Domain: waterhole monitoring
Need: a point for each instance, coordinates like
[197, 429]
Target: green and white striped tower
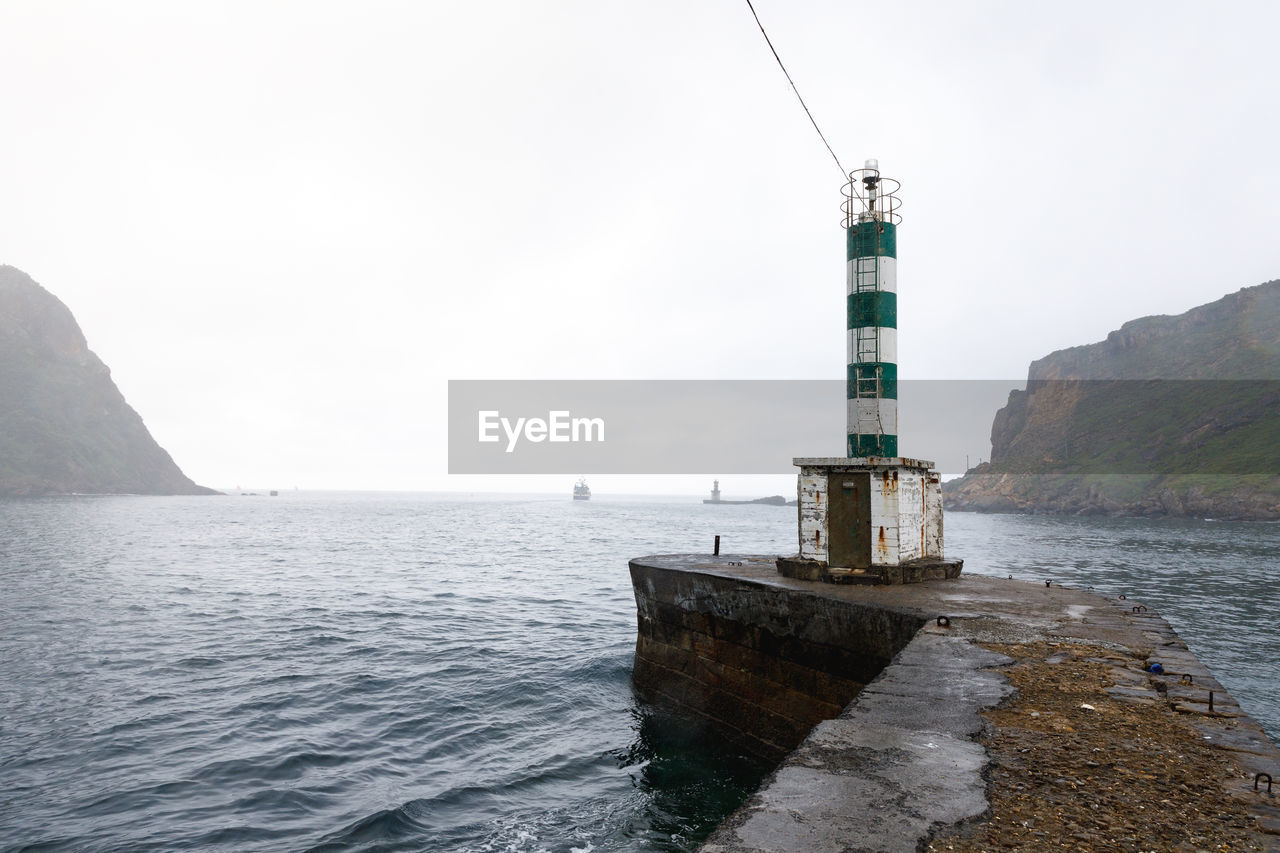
[871, 220]
[871, 516]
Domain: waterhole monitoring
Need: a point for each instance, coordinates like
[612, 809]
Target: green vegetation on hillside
[1168, 416]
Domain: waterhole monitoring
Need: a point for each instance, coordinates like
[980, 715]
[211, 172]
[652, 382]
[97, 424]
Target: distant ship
[582, 492]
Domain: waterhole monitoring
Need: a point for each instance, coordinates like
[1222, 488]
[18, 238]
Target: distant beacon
[871, 516]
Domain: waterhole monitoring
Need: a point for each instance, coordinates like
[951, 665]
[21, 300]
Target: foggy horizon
[286, 227]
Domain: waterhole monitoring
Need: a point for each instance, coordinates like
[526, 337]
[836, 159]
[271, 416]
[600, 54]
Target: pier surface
[967, 714]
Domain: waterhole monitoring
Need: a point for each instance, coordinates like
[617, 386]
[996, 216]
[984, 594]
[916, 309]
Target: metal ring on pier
[1258, 777]
[1139, 608]
[1123, 597]
[944, 621]
[1186, 678]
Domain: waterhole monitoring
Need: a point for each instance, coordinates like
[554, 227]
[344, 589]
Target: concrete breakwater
[761, 664]
[951, 715]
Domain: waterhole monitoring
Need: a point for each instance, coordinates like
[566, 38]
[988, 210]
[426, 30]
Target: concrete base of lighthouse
[873, 520]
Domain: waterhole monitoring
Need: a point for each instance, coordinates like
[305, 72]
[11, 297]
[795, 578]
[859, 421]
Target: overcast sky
[286, 225]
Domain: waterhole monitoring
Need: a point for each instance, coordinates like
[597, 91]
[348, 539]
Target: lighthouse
[871, 237]
[871, 516]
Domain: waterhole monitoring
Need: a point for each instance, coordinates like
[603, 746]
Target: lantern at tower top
[870, 197]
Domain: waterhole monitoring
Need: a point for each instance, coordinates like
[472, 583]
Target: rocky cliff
[64, 426]
[1169, 416]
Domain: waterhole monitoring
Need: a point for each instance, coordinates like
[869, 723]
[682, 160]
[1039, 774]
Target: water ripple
[346, 672]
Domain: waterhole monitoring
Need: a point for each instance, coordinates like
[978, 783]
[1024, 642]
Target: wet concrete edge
[902, 762]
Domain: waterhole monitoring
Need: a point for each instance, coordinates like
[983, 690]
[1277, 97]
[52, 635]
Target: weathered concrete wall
[895, 765]
[811, 504]
[759, 655]
[905, 505]
[760, 664]
[932, 527]
[899, 499]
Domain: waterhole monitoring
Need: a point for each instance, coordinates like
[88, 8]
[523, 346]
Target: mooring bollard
[717, 552]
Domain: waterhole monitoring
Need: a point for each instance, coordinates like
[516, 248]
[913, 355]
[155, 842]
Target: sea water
[441, 672]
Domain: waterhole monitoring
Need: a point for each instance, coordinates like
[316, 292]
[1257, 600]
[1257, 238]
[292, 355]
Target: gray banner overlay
[723, 427]
[714, 427]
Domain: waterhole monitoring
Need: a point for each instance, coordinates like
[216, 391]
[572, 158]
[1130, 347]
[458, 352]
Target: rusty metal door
[849, 520]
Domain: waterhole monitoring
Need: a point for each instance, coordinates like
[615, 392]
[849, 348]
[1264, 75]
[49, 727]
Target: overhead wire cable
[843, 174]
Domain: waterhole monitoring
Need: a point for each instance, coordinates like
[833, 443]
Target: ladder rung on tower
[869, 422]
[868, 341]
[866, 278]
[868, 382]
